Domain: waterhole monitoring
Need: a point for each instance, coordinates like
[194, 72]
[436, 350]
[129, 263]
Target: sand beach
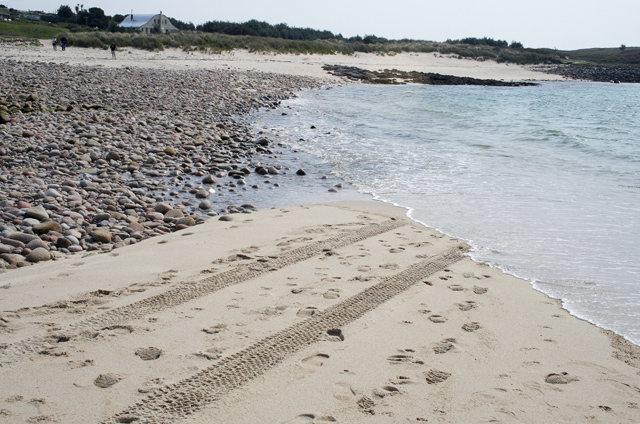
[142, 310]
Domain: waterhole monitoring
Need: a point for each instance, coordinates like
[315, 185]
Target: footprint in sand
[466, 306]
[148, 353]
[479, 290]
[344, 391]
[562, 378]
[389, 266]
[335, 335]
[471, 326]
[311, 418]
[366, 404]
[151, 385]
[434, 376]
[444, 346]
[386, 391]
[332, 294]
[438, 319]
[106, 380]
[215, 329]
[404, 357]
[364, 268]
[309, 311]
[316, 360]
[116, 330]
[455, 287]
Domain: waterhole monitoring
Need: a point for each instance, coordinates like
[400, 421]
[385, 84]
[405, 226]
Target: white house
[146, 23]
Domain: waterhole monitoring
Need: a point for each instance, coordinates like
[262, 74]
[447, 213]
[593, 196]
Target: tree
[97, 18]
[65, 12]
[117, 18]
[622, 47]
[516, 45]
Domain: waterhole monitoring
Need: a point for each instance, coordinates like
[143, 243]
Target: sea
[543, 182]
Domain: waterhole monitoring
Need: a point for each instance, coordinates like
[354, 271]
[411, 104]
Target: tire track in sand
[185, 292]
[177, 401]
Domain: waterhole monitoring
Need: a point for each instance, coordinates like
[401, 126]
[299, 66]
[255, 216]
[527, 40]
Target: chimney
[132, 14]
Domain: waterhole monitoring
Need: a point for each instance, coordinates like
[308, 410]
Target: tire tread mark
[185, 292]
[174, 402]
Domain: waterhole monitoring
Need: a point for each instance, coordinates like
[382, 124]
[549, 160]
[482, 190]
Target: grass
[28, 28]
[216, 42]
[602, 56]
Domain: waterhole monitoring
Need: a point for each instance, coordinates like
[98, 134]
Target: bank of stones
[94, 159]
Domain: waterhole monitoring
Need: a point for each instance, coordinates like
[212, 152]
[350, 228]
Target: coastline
[460, 343]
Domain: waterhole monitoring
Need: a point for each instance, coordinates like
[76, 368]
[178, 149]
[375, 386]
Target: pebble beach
[91, 157]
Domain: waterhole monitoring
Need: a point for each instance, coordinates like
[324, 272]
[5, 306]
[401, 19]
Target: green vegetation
[613, 56]
[27, 28]
[216, 42]
[215, 36]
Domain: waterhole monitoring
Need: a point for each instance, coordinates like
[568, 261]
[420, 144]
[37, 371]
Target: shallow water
[543, 181]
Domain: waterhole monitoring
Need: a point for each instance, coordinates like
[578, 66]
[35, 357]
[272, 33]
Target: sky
[561, 24]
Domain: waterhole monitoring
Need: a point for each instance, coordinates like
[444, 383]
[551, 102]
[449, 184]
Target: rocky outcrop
[394, 76]
[617, 74]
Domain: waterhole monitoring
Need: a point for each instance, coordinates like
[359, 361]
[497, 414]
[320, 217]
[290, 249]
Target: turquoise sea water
[544, 182]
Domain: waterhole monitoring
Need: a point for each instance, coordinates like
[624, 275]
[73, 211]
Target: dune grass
[216, 42]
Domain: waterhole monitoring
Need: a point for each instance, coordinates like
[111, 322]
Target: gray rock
[163, 208]
[39, 254]
[34, 244]
[23, 237]
[202, 194]
[187, 220]
[37, 212]
[52, 193]
[209, 179]
[174, 213]
[11, 242]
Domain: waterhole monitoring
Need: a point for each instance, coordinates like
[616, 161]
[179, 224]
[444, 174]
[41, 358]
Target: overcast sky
[563, 24]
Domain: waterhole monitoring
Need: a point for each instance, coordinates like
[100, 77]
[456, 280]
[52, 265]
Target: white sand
[495, 336]
[309, 65]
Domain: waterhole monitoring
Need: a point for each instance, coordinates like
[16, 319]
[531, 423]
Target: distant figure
[113, 49]
[55, 43]
[63, 43]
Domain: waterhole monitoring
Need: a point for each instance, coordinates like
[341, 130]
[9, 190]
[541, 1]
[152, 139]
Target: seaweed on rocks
[394, 76]
[616, 74]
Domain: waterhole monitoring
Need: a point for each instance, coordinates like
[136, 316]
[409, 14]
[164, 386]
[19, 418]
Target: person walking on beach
[113, 49]
[54, 42]
[63, 43]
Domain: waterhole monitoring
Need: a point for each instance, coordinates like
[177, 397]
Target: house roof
[137, 21]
